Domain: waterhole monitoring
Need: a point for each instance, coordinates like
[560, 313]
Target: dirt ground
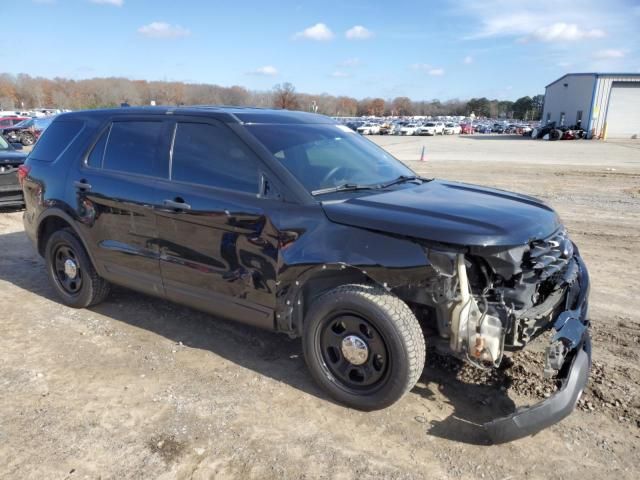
[141, 388]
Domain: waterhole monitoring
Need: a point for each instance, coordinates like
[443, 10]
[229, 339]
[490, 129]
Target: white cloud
[319, 32]
[340, 74]
[267, 71]
[163, 30]
[542, 20]
[116, 3]
[608, 53]
[564, 32]
[467, 60]
[428, 69]
[350, 62]
[358, 32]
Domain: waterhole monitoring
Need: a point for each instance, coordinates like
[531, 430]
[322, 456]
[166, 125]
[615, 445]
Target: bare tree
[23, 91]
[284, 96]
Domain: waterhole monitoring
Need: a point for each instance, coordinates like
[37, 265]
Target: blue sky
[422, 49]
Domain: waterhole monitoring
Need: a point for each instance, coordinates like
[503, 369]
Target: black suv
[291, 222]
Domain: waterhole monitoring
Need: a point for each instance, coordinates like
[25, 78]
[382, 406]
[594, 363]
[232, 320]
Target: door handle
[82, 185]
[176, 204]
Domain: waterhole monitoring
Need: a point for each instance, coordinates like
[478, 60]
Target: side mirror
[16, 146]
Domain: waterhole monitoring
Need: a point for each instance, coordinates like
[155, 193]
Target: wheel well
[48, 226]
[319, 283]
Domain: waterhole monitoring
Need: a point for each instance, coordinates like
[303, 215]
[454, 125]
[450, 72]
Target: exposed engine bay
[486, 300]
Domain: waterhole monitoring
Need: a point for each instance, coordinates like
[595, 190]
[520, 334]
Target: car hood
[10, 156]
[449, 212]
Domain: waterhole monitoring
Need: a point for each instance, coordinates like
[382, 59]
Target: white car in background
[395, 128]
[369, 129]
[410, 129]
[431, 128]
[452, 129]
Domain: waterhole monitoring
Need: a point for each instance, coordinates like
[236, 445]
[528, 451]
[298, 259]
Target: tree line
[23, 91]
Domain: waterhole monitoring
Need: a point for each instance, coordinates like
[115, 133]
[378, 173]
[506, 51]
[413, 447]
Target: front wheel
[363, 345]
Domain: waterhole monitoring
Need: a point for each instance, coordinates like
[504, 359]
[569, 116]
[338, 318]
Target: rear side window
[94, 159]
[133, 147]
[55, 139]
[212, 155]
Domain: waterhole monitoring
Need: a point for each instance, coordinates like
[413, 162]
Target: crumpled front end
[488, 300]
[568, 358]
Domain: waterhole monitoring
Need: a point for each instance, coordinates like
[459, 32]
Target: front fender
[344, 254]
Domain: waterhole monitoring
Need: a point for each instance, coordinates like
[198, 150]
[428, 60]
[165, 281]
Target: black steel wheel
[354, 351]
[363, 345]
[71, 272]
[67, 269]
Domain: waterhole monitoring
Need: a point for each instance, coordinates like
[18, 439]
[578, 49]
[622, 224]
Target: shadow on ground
[266, 353]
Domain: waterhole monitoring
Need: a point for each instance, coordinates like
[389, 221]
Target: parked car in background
[10, 161]
[354, 125]
[498, 128]
[452, 129]
[431, 128]
[10, 121]
[396, 127]
[28, 131]
[409, 129]
[483, 128]
[466, 128]
[369, 129]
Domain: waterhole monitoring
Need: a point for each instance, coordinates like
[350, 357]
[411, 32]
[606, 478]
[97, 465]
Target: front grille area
[549, 257]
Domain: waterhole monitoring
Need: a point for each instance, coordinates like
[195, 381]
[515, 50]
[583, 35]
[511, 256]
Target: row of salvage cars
[436, 127]
[11, 159]
[408, 128]
[16, 132]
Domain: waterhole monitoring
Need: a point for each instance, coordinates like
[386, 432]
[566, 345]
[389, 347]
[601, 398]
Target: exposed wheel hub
[67, 269]
[354, 349]
[70, 268]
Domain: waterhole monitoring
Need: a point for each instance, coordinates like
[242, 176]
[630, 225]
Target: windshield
[323, 156]
[3, 144]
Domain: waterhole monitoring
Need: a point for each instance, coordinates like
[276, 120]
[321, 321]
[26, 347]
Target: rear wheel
[71, 271]
[363, 345]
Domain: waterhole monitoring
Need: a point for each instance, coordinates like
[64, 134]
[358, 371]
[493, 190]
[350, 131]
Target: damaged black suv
[291, 222]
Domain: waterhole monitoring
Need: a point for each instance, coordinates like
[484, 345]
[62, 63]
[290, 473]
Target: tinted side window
[94, 159]
[55, 139]
[213, 156]
[133, 147]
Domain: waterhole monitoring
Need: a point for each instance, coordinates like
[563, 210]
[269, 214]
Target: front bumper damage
[571, 327]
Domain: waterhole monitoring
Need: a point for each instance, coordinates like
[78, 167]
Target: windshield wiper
[344, 187]
[403, 179]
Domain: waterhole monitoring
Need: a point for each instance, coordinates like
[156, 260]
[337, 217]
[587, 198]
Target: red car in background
[7, 122]
[467, 128]
[28, 131]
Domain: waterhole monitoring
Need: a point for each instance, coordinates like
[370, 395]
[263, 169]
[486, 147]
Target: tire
[27, 139]
[86, 287]
[386, 368]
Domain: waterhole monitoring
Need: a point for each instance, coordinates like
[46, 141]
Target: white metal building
[607, 105]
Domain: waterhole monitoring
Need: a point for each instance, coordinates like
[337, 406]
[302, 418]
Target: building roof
[596, 74]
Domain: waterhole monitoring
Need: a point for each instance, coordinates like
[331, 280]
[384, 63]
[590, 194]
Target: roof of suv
[248, 115]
